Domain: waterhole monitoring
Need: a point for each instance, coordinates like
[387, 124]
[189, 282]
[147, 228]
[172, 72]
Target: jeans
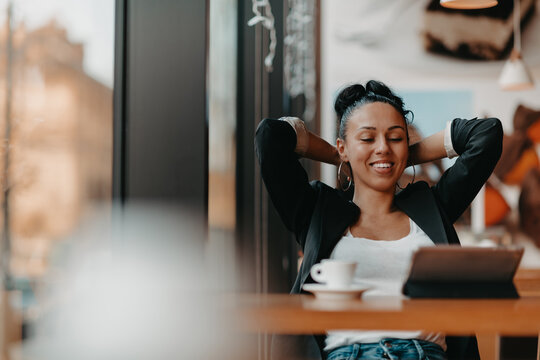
[394, 349]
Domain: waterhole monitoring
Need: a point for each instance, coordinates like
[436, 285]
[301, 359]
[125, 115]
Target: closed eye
[367, 140]
[396, 139]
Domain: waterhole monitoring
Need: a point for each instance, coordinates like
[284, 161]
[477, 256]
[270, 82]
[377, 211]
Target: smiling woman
[377, 145]
[373, 223]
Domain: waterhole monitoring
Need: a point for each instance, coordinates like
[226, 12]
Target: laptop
[453, 271]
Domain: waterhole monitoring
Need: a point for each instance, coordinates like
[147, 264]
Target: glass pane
[222, 139]
[60, 112]
[56, 80]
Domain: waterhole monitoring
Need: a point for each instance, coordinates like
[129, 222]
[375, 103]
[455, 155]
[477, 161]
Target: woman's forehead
[376, 116]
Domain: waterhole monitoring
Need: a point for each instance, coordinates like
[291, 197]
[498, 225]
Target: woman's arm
[479, 144]
[285, 178]
[320, 150]
[428, 149]
[310, 145]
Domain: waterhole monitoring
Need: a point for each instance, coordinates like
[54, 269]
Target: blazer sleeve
[479, 145]
[285, 178]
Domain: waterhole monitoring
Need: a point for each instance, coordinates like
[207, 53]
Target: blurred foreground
[133, 288]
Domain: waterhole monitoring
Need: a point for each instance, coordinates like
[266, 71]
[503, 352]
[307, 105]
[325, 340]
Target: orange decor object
[533, 132]
[496, 207]
[526, 162]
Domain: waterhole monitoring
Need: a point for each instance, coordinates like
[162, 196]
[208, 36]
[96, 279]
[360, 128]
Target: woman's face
[376, 146]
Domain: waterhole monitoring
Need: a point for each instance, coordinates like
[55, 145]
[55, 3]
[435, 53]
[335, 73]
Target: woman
[376, 223]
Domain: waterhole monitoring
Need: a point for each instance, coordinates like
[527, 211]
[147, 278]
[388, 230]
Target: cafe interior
[135, 222]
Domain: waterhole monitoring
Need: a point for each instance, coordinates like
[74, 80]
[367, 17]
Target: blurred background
[449, 63]
[127, 157]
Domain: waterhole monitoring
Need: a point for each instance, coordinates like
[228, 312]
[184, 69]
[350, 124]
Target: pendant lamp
[468, 4]
[515, 75]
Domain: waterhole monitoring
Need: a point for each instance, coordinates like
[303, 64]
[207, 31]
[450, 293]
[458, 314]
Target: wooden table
[303, 314]
[487, 318]
[282, 313]
[297, 314]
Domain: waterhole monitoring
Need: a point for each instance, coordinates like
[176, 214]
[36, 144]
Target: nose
[382, 146]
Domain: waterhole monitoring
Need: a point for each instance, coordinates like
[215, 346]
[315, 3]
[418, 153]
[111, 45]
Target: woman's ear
[340, 145]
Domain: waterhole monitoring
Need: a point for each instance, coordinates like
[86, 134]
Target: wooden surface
[527, 282]
[295, 314]
[487, 319]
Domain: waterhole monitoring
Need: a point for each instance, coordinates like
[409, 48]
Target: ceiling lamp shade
[515, 75]
[468, 4]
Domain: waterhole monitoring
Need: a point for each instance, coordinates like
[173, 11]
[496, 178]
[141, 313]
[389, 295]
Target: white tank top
[383, 266]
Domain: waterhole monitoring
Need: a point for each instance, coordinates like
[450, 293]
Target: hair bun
[354, 96]
[378, 88]
[347, 97]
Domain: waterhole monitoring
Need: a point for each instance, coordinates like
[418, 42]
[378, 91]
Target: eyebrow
[374, 128]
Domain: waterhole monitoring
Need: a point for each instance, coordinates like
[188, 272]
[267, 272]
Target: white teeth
[382, 165]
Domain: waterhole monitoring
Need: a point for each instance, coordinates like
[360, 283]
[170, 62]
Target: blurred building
[61, 142]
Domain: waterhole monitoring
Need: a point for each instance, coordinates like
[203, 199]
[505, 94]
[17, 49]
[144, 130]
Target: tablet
[455, 271]
[465, 263]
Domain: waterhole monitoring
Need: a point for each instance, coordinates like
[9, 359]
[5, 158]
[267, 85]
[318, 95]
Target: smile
[382, 165]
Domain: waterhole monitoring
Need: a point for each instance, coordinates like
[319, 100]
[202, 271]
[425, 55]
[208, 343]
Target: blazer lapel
[336, 224]
[417, 201]
[327, 233]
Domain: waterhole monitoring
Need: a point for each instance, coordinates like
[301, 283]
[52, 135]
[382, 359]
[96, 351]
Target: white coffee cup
[337, 274]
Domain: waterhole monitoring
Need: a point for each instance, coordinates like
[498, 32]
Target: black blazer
[319, 215]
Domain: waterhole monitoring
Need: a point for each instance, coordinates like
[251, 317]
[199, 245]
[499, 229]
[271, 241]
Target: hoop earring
[349, 179]
[412, 181]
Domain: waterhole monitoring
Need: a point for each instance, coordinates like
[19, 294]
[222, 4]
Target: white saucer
[322, 291]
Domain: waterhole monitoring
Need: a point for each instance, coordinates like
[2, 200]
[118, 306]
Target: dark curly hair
[354, 96]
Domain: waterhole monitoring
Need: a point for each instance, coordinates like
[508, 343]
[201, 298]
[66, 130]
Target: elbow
[496, 135]
[490, 138]
[261, 136]
[496, 126]
[262, 128]
[275, 136]
[263, 125]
